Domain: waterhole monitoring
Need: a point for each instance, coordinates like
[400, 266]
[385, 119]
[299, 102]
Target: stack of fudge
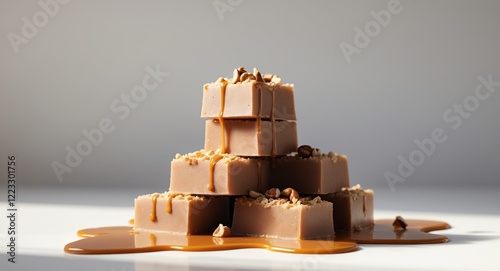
[251, 178]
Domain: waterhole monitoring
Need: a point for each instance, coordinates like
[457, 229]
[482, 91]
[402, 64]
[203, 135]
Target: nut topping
[273, 193]
[222, 231]
[399, 223]
[268, 77]
[257, 75]
[305, 151]
[254, 194]
[291, 193]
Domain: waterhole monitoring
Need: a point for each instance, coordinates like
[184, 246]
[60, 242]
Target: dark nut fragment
[244, 76]
[357, 228]
[241, 70]
[290, 193]
[222, 231]
[273, 193]
[399, 223]
[305, 151]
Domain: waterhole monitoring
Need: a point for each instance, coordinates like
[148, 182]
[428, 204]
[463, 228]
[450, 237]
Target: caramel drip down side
[169, 202]
[221, 115]
[152, 238]
[154, 199]
[213, 161]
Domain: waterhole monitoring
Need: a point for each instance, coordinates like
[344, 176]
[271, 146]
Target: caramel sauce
[169, 202]
[154, 198]
[221, 115]
[213, 161]
[152, 239]
[114, 240]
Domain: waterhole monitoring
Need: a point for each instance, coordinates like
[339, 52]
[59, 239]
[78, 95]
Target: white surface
[44, 229]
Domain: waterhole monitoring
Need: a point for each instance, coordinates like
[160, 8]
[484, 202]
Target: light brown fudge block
[319, 174]
[280, 218]
[352, 208]
[213, 173]
[180, 214]
[249, 100]
[251, 137]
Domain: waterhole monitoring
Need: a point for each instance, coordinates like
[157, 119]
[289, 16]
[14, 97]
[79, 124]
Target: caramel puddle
[114, 240]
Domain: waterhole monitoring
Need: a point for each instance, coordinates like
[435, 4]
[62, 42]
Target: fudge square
[215, 173]
[180, 214]
[251, 137]
[317, 173]
[249, 100]
[352, 208]
[283, 218]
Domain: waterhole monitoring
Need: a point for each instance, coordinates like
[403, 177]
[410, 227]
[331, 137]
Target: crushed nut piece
[268, 77]
[257, 75]
[357, 228]
[236, 76]
[399, 223]
[316, 152]
[254, 194]
[276, 80]
[273, 193]
[222, 231]
[244, 76]
[305, 151]
[291, 193]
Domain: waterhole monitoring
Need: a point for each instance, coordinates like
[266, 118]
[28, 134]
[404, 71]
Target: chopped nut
[257, 75]
[399, 223]
[251, 77]
[315, 200]
[268, 77]
[236, 76]
[254, 194]
[357, 228]
[316, 152]
[273, 193]
[305, 151]
[244, 76]
[291, 193]
[241, 70]
[276, 80]
[222, 231]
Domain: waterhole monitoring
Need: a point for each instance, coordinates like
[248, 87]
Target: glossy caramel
[114, 240]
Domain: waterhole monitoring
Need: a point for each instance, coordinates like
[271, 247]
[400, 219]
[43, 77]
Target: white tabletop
[48, 218]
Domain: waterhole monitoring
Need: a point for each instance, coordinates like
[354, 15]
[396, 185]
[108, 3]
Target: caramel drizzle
[154, 199]
[221, 113]
[152, 238]
[213, 160]
[169, 202]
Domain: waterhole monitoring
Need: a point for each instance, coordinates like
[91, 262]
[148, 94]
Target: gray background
[429, 57]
